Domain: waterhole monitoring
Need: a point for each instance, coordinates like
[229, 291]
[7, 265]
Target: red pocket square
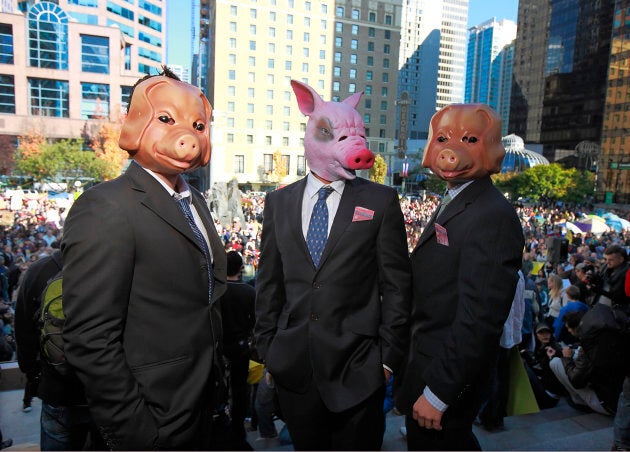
[362, 214]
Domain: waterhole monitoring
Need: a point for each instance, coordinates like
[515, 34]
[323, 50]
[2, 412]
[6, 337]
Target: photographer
[608, 284]
[585, 272]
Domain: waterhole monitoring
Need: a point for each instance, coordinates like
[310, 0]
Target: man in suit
[465, 271]
[143, 269]
[332, 324]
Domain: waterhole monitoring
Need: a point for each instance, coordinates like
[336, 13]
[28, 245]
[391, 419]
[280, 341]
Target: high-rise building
[560, 69]
[432, 58]
[613, 181]
[248, 54]
[66, 66]
[488, 65]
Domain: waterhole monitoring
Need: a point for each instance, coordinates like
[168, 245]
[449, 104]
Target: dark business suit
[330, 330]
[140, 330]
[462, 293]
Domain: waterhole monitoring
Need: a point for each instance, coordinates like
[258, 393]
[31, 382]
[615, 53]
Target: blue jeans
[622, 418]
[68, 428]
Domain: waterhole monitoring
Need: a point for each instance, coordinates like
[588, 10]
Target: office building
[432, 58]
[248, 54]
[489, 66]
[68, 66]
[613, 170]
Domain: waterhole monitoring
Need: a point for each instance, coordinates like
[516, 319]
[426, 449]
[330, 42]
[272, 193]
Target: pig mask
[167, 128]
[334, 143]
[464, 143]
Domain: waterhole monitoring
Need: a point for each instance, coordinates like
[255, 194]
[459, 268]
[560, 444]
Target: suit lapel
[343, 218]
[157, 199]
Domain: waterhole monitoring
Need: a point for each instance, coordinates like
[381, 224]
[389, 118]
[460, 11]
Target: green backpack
[51, 320]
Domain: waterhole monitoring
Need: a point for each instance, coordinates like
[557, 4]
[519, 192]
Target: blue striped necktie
[318, 227]
[184, 205]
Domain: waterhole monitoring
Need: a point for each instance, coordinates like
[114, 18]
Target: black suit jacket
[139, 328]
[462, 294]
[340, 323]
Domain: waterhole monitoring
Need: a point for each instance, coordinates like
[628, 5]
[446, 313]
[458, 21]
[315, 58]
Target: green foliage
[378, 172]
[63, 161]
[551, 182]
[434, 184]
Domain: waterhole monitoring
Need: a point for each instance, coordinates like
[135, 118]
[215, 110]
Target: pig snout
[449, 160]
[187, 147]
[359, 159]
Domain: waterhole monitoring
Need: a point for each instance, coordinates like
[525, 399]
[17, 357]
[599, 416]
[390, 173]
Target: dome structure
[517, 158]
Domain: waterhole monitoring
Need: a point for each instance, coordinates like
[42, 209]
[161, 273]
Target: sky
[178, 23]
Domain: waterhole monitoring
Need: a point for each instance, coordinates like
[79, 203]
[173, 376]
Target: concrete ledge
[12, 377]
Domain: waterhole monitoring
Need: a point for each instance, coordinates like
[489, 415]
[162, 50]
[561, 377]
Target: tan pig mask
[167, 128]
[464, 143]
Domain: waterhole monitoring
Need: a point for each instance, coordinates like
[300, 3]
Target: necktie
[445, 200]
[318, 227]
[184, 205]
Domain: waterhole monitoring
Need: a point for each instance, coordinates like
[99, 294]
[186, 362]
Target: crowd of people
[561, 359]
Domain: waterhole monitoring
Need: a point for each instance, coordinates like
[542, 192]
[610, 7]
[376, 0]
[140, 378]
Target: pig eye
[324, 131]
[166, 119]
[442, 139]
[199, 126]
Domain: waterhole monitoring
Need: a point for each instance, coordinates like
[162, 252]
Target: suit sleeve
[26, 331]
[394, 270]
[270, 292]
[491, 252]
[98, 251]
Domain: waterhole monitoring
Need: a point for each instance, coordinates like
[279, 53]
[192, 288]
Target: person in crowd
[237, 313]
[66, 423]
[584, 273]
[610, 284]
[465, 273]
[593, 373]
[560, 331]
[333, 286]
[556, 297]
[143, 271]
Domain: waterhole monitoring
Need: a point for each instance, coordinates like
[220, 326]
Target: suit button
[317, 285]
[314, 316]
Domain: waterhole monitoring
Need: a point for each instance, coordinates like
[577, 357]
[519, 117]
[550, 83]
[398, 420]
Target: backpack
[50, 319]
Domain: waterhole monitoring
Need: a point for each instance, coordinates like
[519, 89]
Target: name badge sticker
[442, 236]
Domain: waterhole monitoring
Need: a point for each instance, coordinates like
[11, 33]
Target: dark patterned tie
[184, 205]
[445, 200]
[318, 227]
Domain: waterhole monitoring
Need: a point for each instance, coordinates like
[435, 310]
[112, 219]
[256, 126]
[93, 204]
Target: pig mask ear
[353, 100]
[307, 98]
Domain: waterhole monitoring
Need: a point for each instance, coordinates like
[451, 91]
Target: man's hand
[426, 414]
[388, 374]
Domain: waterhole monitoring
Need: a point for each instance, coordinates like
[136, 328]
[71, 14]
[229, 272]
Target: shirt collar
[458, 189]
[313, 185]
[183, 188]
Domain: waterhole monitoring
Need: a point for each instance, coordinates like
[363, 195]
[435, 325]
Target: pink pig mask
[334, 144]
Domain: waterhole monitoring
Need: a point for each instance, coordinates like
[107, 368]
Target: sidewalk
[561, 428]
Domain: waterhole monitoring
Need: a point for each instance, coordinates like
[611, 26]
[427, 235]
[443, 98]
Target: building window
[305, 52]
[252, 29]
[307, 6]
[125, 92]
[368, 103]
[386, 62]
[271, 63]
[268, 124]
[322, 54]
[355, 30]
[232, 58]
[252, 13]
[268, 140]
[306, 37]
[272, 32]
[230, 121]
[381, 133]
[338, 27]
[384, 91]
[250, 108]
[337, 57]
[336, 71]
[231, 106]
[369, 75]
[239, 164]
[48, 36]
[250, 92]
[49, 97]
[356, 15]
[388, 34]
[339, 11]
[231, 74]
[370, 61]
[370, 46]
[354, 44]
[385, 77]
[368, 89]
[233, 27]
[335, 87]
[252, 45]
[232, 43]
[353, 73]
[233, 10]
[367, 118]
[383, 105]
[230, 138]
[249, 123]
[7, 94]
[371, 32]
[353, 58]
[268, 163]
[286, 159]
[286, 111]
[301, 166]
[249, 139]
[288, 64]
[251, 61]
[289, 19]
[388, 19]
[6, 44]
[94, 101]
[386, 49]
[272, 16]
[269, 109]
[352, 88]
[372, 16]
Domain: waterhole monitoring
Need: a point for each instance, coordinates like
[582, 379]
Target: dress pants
[314, 427]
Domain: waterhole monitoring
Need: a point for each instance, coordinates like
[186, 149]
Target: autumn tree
[378, 170]
[31, 143]
[279, 170]
[7, 154]
[105, 146]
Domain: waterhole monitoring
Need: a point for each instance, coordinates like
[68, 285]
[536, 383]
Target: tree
[7, 154]
[378, 170]
[31, 143]
[63, 161]
[279, 170]
[105, 146]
